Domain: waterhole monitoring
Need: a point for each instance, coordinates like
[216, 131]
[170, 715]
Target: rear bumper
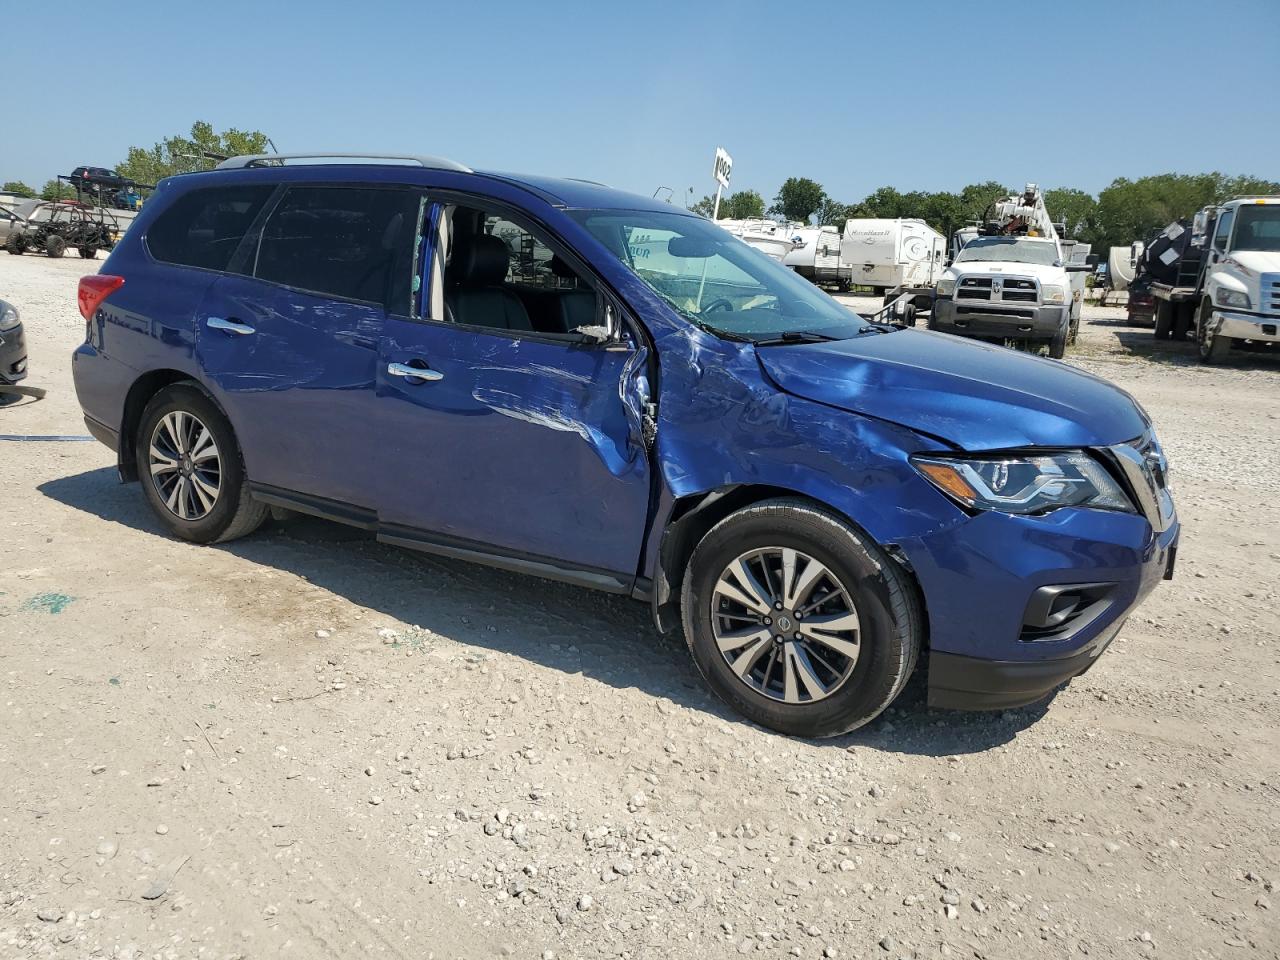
[997, 321]
[13, 355]
[1247, 326]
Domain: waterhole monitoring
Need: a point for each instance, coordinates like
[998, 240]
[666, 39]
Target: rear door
[524, 444]
[290, 341]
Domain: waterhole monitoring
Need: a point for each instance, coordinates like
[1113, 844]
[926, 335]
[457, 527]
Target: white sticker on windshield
[1174, 231]
[1169, 256]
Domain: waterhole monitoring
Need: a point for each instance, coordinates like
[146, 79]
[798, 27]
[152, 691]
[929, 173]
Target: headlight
[1233, 298]
[1054, 293]
[946, 287]
[1025, 484]
[8, 316]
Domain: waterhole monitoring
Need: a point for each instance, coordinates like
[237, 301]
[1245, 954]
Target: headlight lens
[1053, 293]
[1025, 484]
[946, 287]
[8, 316]
[1233, 298]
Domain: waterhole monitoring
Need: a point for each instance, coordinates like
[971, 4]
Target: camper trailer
[815, 255]
[886, 254]
[770, 237]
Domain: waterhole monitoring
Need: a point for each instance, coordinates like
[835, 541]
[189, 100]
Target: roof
[584, 193]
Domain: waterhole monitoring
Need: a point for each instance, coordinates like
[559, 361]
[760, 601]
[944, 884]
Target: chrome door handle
[230, 326]
[419, 373]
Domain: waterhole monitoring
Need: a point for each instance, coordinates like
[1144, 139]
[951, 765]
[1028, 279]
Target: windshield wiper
[795, 336]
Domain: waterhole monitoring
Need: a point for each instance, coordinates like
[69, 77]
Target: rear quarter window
[203, 228]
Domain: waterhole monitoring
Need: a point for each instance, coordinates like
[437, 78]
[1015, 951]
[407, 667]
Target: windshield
[716, 280]
[1010, 249]
[1258, 228]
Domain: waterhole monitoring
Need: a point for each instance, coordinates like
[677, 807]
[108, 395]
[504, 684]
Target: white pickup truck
[1008, 288]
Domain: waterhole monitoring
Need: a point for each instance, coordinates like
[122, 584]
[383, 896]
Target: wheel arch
[139, 395]
[694, 515]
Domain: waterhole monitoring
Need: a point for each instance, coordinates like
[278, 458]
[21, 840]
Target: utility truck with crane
[1015, 281]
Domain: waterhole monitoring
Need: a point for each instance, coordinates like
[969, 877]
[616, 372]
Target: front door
[519, 439]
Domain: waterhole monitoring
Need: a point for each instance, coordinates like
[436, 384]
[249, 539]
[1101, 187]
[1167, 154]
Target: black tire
[891, 621]
[1073, 332]
[1164, 319]
[234, 512]
[1183, 320]
[88, 252]
[14, 245]
[908, 317]
[55, 246]
[1213, 347]
[1058, 345]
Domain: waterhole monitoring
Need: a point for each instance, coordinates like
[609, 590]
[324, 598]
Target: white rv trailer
[815, 255]
[770, 237]
[887, 254]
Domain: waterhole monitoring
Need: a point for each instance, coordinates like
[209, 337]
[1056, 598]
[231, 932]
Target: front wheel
[798, 621]
[1213, 346]
[1058, 345]
[190, 468]
[55, 246]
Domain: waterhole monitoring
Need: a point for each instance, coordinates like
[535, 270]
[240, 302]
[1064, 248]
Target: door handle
[230, 326]
[418, 373]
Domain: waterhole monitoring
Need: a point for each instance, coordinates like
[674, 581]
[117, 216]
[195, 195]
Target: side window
[349, 242]
[1223, 233]
[495, 271]
[203, 228]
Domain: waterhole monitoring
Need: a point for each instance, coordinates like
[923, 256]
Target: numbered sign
[723, 167]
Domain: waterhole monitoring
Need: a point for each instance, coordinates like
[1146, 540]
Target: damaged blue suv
[554, 377]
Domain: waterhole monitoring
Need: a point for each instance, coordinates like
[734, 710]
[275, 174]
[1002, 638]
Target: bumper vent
[1056, 612]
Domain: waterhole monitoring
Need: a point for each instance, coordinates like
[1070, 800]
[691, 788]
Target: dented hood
[974, 395]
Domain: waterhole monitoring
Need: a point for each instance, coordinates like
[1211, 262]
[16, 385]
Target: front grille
[1270, 293]
[998, 289]
[1009, 312]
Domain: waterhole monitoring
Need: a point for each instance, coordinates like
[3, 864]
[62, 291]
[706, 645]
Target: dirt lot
[306, 744]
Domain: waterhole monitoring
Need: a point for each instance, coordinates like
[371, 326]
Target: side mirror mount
[610, 331]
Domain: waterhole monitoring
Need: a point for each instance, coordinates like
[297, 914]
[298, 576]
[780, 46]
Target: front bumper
[980, 577]
[997, 321]
[13, 355]
[1247, 326]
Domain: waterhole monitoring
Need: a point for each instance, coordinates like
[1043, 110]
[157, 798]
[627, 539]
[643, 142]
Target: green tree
[742, 205]
[798, 199]
[833, 213]
[17, 188]
[57, 190]
[184, 154]
[705, 206]
[1075, 209]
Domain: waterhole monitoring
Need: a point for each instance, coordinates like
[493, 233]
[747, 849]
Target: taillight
[94, 289]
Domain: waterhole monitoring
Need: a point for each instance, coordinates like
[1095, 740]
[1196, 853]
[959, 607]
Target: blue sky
[918, 95]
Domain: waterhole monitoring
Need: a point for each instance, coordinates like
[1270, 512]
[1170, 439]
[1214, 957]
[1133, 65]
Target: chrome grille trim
[1146, 472]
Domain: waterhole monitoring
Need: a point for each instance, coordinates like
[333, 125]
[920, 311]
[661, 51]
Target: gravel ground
[306, 744]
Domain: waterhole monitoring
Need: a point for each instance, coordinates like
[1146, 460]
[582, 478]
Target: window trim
[1231, 229]
[144, 240]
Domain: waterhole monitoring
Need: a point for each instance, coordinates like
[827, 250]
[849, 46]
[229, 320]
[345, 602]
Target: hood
[1256, 261]
[974, 395]
[984, 268]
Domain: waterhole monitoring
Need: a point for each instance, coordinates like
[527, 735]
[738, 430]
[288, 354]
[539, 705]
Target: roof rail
[277, 159]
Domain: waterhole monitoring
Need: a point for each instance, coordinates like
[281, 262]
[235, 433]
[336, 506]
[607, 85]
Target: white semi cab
[1239, 292]
[1014, 280]
[887, 254]
[815, 255]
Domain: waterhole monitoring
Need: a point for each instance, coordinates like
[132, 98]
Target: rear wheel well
[140, 393]
[693, 516]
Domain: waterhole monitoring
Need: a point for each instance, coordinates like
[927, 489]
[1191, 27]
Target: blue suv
[554, 377]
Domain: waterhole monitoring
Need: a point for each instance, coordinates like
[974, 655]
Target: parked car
[660, 412]
[13, 347]
[98, 179]
[1141, 304]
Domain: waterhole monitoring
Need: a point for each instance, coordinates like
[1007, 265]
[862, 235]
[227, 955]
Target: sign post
[722, 169]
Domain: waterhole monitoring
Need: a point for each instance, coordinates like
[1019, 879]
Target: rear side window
[349, 242]
[203, 228]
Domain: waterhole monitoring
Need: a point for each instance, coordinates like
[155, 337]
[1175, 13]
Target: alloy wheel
[186, 467]
[785, 625]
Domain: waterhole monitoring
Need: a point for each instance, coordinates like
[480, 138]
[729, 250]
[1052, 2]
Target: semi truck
[1014, 282]
[1218, 277]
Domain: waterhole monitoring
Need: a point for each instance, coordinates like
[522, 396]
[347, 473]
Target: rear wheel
[191, 470]
[88, 252]
[15, 245]
[1164, 319]
[55, 246]
[798, 621]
